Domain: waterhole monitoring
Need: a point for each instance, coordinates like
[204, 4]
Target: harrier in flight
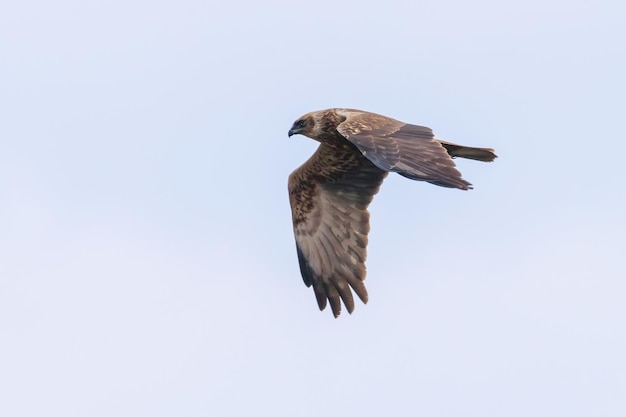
[330, 193]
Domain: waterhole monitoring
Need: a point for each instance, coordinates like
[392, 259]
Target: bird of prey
[330, 193]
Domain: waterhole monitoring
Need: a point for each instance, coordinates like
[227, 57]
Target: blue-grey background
[147, 262]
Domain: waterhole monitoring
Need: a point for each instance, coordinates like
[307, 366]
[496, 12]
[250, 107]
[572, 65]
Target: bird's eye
[300, 123]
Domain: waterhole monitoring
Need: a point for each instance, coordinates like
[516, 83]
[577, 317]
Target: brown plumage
[330, 193]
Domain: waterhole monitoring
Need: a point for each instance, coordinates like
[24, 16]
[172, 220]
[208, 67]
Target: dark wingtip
[305, 268]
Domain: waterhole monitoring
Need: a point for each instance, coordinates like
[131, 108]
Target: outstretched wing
[329, 196]
[410, 150]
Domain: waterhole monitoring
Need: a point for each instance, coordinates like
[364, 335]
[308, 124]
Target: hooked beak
[293, 131]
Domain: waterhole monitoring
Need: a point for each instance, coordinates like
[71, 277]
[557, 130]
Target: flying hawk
[330, 192]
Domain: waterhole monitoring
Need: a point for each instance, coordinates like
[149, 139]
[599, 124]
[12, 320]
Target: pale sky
[147, 259]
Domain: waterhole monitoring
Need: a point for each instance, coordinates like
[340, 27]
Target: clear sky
[147, 260]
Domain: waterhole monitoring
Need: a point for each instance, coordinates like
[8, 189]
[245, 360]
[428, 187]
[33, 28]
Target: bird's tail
[478, 154]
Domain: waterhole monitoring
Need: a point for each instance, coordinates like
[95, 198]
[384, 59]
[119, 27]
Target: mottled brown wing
[410, 150]
[329, 196]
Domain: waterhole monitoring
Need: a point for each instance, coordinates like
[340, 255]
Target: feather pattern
[410, 150]
[329, 197]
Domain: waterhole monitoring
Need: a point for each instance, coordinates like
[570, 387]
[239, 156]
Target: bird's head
[303, 126]
[318, 125]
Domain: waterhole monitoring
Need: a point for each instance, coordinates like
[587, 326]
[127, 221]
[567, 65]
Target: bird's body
[330, 192]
